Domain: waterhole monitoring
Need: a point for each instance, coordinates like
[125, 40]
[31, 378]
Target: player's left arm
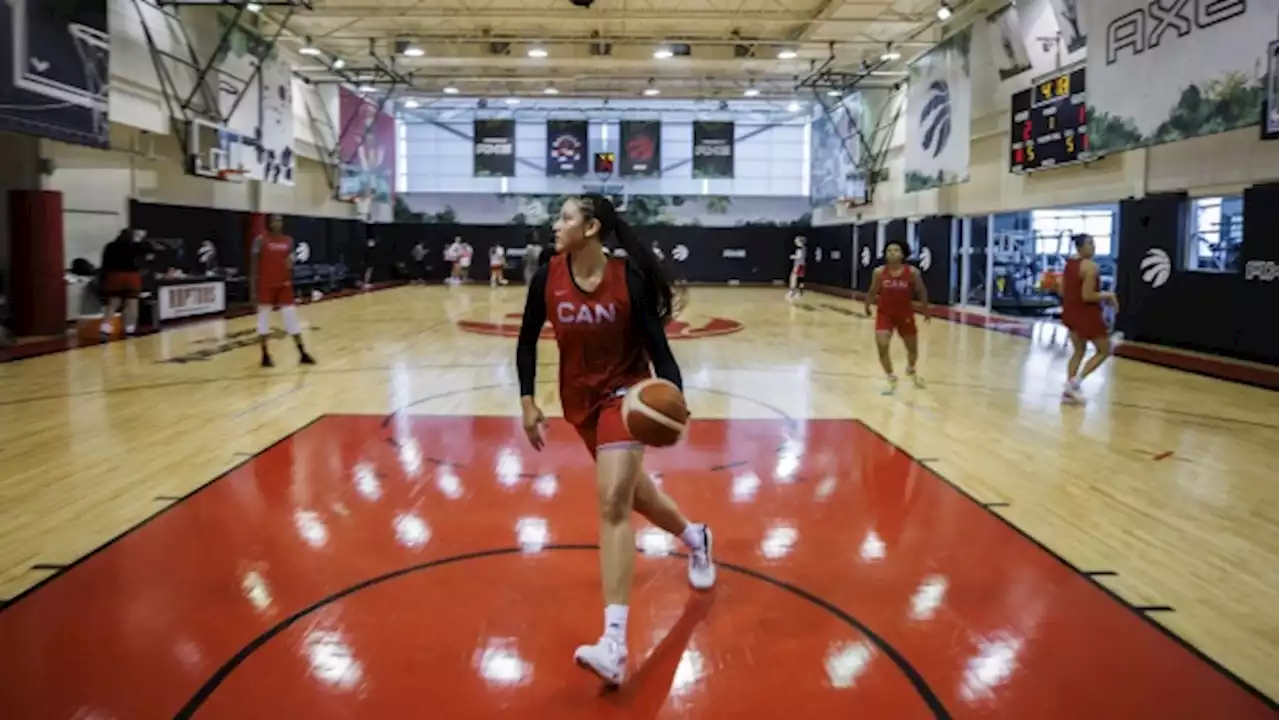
[644, 314]
[922, 295]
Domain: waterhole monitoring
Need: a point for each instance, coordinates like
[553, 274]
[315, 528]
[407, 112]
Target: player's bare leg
[886, 362]
[913, 353]
[617, 471]
[264, 332]
[1071, 391]
[108, 312]
[658, 508]
[291, 325]
[131, 316]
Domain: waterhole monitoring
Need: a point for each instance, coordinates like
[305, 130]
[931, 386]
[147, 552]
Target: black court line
[1099, 573]
[242, 454]
[1153, 608]
[55, 567]
[927, 460]
[167, 498]
[987, 505]
[68, 568]
[926, 694]
[730, 466]
[1199, 654]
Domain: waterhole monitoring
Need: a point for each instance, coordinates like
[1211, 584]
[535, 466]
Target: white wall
[771, 162]
[1216, 164]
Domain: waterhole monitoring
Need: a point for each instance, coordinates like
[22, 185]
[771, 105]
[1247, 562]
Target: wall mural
[939, 103]
[1159, 75]
[539, 210]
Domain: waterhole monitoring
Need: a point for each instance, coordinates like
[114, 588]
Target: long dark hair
[657, 284]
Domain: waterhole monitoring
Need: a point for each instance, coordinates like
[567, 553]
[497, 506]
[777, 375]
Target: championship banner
[54, 70]
[713, 149]
[1071, 22]
[566, 148]
[494, 148]
[1271, 107]
[1160, 74]
[938, 105]
[1008, 42]
[641, 142]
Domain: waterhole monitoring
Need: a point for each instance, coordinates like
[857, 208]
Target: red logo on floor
[677, 330]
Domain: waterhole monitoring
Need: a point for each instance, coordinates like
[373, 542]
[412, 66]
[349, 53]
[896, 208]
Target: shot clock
[1049, 126]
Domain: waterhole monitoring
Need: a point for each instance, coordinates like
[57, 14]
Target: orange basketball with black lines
[655, 412]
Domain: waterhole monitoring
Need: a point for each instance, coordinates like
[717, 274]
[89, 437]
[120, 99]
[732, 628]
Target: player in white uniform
[452, 255]
[795, 286]
[497, 264]
[464, 261]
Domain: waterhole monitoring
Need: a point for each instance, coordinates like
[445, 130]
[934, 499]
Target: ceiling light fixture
[339, 63]
[253, 7]
[367, 88]
[890, 54]
[450, 90]
[309, 49]
[751, 90]
[793, 106]
[537, 52]
[833, 93]
[413, 51]
[411, 103]
[944, 12]
[550, 90]
[662, 53]
[787, 54]
[652, 91]
[512, 101]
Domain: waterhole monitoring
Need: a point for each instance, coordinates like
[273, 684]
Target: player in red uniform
[1082, 315]
[897, 292]
[271, 278]
[609, 315]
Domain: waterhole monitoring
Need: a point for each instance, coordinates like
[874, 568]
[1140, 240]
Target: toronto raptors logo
[640, 149]
[676, 329]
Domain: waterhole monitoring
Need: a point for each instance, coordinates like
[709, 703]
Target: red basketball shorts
[605, 428]
[1088, 325]
[276, 295]
[905, 325]
[122, 284]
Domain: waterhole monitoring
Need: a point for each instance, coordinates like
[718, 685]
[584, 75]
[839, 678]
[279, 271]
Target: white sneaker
[702, 566]
[1072, 396]
[607, 659]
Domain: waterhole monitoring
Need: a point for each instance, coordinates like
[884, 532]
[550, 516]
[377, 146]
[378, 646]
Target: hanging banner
[495, 148]
[641, 142]
[54, 72]
[366, 150]
[1071, 23]
[713, 149]
[566, 148]
[1008, 42]
[939, 98]
[276, 85]
[835, 151]
[1158, 75]
[1271, 107]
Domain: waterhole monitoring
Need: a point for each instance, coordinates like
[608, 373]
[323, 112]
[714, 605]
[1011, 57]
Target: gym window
[1053, 229]
[1216, 232]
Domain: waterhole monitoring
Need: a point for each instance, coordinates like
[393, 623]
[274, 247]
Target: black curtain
[933, 256]
[184, 228]
[865, 249]
[829, 256]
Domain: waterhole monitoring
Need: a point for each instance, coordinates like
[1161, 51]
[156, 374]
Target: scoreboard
[1049, 127]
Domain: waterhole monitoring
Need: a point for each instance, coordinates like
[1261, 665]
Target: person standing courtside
[271, 277]
[122, 280]
[1082, 302]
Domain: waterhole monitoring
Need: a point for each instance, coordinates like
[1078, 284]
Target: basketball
[655, 413]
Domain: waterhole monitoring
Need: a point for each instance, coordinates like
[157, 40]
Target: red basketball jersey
[1075, 310]
[896, 292]
[601, 349]
[274, 254]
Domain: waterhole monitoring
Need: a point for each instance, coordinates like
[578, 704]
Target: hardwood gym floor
[1162, 490]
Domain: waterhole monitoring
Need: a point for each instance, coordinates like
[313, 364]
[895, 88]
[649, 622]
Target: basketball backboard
[58, 61]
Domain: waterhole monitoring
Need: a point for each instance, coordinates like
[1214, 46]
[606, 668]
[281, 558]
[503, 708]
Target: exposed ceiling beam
[592, 17]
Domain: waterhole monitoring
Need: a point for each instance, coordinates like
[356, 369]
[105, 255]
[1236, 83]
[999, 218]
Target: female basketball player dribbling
[1082, 315]
[894, 289]
[609, 316]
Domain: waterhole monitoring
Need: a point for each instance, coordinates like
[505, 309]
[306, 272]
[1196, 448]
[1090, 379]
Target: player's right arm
[535, 316]
[873, 290]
